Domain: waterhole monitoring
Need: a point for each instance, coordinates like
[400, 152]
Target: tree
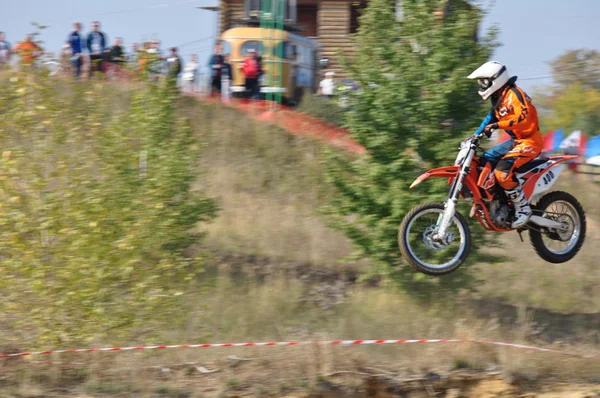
[573, 102]
[412, 75]
[577, 66]
[574, 107]
[97, 208]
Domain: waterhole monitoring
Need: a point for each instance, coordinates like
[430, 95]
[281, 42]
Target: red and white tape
[290, 343]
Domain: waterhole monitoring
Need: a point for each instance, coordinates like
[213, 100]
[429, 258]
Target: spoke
[563, 212]
[429, 252]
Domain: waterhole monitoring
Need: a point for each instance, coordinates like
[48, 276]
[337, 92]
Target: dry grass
[269, 185]
[322, 108]
[525, 278]
[236, 310]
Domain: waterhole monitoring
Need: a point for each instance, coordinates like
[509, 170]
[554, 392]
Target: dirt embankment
[457, 385]
[327, 287]
[547, 326]
[454, 385]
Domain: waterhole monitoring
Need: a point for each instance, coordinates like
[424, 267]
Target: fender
[449, 171]
[542, 178]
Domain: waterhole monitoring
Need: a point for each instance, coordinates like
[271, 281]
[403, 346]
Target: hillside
[273, 272]
[271, 187]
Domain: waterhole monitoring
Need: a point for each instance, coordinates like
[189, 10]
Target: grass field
[270, 186]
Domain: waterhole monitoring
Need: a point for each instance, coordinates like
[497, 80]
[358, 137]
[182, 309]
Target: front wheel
[425, 253]
[559, 246]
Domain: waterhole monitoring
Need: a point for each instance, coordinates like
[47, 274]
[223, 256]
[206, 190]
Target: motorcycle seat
[532, 164]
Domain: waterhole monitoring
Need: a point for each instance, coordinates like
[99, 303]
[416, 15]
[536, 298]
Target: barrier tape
[291, 343]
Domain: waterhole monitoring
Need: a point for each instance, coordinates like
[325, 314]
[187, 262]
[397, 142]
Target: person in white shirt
[327, 85]
[189, 75]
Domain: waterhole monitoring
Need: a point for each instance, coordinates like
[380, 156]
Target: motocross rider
[513, 112]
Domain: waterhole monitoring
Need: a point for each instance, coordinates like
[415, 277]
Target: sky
[532, 32]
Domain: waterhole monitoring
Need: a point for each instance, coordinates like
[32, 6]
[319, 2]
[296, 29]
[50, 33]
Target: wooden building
[330, 22]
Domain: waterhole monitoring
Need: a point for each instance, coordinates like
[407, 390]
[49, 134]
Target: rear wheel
[423, 251]
[559, 246]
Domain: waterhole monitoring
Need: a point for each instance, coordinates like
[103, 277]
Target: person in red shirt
[513, 112]
[28, 50]
[251, 69]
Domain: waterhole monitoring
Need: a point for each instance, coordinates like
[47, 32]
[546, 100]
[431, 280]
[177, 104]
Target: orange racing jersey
[516, 115]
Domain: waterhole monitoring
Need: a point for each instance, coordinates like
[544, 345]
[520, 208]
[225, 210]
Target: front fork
[444, 220]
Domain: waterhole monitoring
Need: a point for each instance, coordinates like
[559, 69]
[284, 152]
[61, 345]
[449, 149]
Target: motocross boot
[521, 204]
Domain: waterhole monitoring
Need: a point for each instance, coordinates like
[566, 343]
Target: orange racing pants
[512, 154]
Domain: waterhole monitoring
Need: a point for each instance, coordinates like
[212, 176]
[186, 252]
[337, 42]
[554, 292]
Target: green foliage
[573, 103]
[412, 75]
[96, 207]
[574, 107]
[579, 66]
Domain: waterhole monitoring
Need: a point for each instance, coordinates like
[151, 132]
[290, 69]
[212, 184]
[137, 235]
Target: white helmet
[491, 76]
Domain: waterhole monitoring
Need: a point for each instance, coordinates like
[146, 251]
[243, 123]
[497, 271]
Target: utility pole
[272, 14]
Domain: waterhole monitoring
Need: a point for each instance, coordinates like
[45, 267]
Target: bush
[96, 207]
[411, 83]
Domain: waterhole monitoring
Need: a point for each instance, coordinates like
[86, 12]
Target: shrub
[96, 207]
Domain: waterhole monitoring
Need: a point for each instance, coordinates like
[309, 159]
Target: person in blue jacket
[215, 64]
[76, 50]
[96, 44]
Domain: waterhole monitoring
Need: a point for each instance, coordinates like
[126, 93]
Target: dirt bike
[435, 239]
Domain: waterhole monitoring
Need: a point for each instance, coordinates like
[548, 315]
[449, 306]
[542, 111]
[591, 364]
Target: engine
[500, 214]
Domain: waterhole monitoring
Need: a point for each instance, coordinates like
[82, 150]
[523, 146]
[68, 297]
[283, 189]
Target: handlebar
[480, 133]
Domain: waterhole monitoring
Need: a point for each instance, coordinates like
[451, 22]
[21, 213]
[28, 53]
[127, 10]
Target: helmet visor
[484, 84]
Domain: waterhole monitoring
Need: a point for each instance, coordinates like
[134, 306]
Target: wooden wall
[332, 31]
[232, 10]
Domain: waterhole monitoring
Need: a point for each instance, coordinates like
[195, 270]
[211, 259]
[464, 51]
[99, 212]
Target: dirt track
[295, 123]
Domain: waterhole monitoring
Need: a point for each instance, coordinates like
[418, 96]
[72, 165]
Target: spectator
[28, 50]
[96, 44]
[66, 66]
[226, 70]
[117, 55]
[74, 43]
[132, 57]
[327, 85]
[216, 63]
[173, 67]
[251, 70]
[155, 48]
[143, 57]
[5, 51]
[226, 77]
[154, 60]
[189, 76]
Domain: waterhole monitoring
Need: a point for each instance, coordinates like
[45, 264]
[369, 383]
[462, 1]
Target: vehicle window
[251, 45]
[304, 55]
[285, 50]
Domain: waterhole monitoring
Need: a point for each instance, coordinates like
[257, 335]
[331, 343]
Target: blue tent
[593, 147]
[559, 136]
